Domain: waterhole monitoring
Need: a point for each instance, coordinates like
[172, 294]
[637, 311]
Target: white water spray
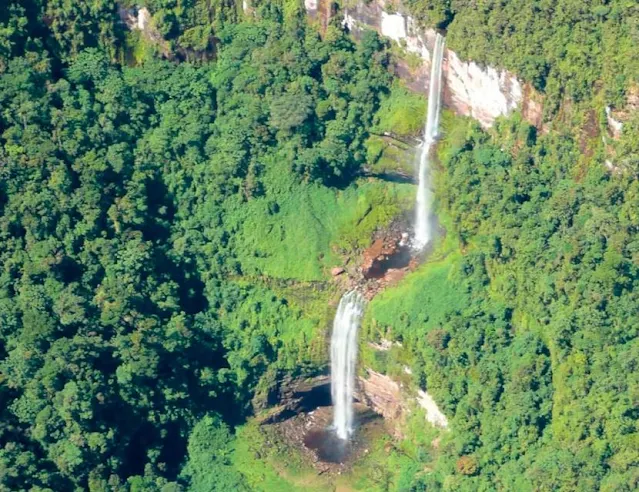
[423, 232]
[343, 361]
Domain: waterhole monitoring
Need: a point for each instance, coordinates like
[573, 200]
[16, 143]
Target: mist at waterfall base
[424, 224]
[333, 443]
[344, 360]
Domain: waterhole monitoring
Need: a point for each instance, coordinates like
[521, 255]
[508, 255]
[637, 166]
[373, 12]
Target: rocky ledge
[384, 263]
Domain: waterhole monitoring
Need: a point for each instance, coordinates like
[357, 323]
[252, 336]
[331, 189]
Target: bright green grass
[403, 112]
[269, 464]
[420, 302]
[299, 230]
[422, 299]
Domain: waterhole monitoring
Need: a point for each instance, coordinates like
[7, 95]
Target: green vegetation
[570, 49]
[388, 156]
[269, 464]
[396, 130]
[160, 224]
[402, 113]
[298, 230]
[172, 201]
[523, 324]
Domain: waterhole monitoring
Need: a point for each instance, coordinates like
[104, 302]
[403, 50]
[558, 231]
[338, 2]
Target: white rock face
[144, 17]
[483, 93]
[135, 18]
[393, 26]
[470, 90]
[433, 414]
[349, 22]
[615, 126]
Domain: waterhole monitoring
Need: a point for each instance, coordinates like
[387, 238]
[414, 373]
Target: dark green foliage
[209, 466]
[155, 218]
[535, 357]
[122, 190]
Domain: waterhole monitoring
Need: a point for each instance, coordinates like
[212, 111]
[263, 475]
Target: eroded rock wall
[389, 398]
[484, 93]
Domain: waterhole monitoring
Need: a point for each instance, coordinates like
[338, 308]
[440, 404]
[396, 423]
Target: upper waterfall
[343, 361]
[423, 228]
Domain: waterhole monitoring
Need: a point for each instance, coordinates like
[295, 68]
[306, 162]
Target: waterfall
[343, 361]
[423, 233]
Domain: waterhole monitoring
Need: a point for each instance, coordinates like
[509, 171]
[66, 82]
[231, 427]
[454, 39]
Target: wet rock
[616, 117]
[311, 433]
[614, 125]
[387, 257]
[377, 254]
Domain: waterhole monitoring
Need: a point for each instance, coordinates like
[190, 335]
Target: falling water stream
[423, 225]
[343, 361]
[351, 306]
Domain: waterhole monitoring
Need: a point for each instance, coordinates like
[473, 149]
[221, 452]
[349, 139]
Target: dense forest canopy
[169, 211]
[529, 338]
[123, 191]
[568, 49]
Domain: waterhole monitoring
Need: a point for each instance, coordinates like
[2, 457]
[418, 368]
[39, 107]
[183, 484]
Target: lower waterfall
[344, 361]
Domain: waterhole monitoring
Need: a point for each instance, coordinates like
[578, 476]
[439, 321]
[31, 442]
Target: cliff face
[389, 399]
[483, 93]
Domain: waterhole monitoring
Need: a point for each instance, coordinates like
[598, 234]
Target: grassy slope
[421, 301]
[297, 230]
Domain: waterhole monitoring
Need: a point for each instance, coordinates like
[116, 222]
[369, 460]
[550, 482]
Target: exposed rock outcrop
[484, 93]
[433, 414]
[382, 394]
[135, 18]
[388, 398]
[140, 19]
[377, 255]
[614, 125]
[291, 396]
[320, 11]
[387, 260]
[615, 117]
